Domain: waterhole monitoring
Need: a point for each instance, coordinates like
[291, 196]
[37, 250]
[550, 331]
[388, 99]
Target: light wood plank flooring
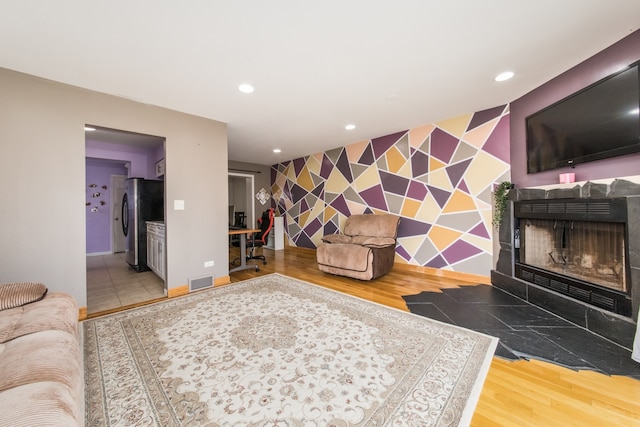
[521, 393]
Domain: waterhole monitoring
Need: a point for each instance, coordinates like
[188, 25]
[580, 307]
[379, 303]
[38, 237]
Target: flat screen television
[598, 122]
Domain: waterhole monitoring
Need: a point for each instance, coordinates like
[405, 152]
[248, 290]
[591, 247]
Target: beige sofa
[365, 249]
[41, 375]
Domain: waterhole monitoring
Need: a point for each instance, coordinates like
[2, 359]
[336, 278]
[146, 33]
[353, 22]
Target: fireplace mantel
[616, 327]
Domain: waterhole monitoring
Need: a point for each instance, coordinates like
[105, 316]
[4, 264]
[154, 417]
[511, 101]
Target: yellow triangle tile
[314, 165]
[304, 179]
[455, 126]
[485, 244]
[412, 244]
[440, 179]
[367, 179]
[316, 211]
[355, 150]
[478, 136]
[459, 202]
[410, 208]
[290, 172]
[418, 135]
[442, 237]
[395, 160]
[435, 164]
[483, 171]
[336, 183]
[303, 218]
[329, 212]
[405, 170]
[429, 210]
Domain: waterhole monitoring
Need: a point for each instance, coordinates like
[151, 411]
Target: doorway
[241, 190]
[113, 156]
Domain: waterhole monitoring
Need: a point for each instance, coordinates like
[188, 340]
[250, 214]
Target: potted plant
[500, 198]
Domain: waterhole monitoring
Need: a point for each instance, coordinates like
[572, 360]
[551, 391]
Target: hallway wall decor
[438, 178]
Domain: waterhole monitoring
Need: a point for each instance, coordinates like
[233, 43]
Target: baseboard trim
[467, 277]
[178, 291]
[82, 313]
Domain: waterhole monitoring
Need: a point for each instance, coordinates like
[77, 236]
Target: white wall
[42, 188]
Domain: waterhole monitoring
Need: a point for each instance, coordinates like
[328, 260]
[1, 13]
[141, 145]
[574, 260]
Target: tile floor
[525, 331]
[112, 284]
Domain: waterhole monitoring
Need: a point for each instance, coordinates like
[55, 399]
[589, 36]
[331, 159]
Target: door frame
[114, 229]
[249, 190]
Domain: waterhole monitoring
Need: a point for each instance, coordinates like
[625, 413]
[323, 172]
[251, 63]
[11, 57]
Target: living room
[448, 217]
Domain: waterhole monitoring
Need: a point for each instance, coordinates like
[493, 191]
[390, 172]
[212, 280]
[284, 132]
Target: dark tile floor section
[525, 331]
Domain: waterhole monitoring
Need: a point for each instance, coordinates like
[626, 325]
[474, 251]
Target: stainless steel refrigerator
[143, 201]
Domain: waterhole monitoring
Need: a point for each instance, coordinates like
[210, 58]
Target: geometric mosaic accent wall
[438, 178]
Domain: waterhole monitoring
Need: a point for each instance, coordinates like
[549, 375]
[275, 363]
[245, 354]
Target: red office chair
[259, 239]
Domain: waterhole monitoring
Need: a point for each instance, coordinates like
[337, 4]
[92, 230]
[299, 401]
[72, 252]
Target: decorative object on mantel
[262, 196]
[160, 167]
[500, 198]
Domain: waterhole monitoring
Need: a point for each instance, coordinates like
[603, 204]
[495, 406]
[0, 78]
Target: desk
[243, 248]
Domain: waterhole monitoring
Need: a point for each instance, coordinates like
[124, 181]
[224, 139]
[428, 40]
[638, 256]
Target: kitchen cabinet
[156, 247]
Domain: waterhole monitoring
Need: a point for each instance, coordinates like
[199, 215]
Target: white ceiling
[316, 66]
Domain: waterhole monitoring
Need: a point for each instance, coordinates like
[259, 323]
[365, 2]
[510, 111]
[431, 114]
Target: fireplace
[575, 247]
[574, 250]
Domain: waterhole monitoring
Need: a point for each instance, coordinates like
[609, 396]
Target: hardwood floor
[517, 393]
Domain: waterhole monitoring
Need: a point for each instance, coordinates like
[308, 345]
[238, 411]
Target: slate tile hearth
[525, 331]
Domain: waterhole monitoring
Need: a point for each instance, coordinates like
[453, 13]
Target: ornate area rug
[275, 351]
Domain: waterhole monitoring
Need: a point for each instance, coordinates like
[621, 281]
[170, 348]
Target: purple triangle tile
[326, 168]
[343, 166]
[437, 262]
[443, 145]
[498, 142]
[480, 230]
[441, 196]
[403, 253]
[318, 190]
[419, 164]
[484, 116]
[382, 144]
[297, 193]
[303, 241]
[463, 187]
[374, 197]
[460, 250]
[304, 206]
[457, 171]
[330, 228]
[367, 156]
[410, 227]
[340, 205]
[274, 173]
[298, 165]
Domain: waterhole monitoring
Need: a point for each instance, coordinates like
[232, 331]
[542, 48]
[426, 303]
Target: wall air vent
[200, 283]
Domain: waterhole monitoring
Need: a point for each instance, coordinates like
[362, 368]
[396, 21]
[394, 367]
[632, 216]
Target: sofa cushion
[39, 404]
[344, 256]
[20, 293]
[56, 311]
[336, 238]
[41, 356]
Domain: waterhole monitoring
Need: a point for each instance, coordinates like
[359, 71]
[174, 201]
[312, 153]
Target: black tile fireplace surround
[604, 322]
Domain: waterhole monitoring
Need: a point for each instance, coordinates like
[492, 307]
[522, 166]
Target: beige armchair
[365, 250]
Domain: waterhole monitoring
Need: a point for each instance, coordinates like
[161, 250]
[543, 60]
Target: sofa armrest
[336, 238]
[378, 242]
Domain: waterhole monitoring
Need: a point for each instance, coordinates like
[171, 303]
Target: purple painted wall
[141, 160]
[98, 172]
[610, 60]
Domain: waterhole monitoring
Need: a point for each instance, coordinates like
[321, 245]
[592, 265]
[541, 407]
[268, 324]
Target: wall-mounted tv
[598, 122]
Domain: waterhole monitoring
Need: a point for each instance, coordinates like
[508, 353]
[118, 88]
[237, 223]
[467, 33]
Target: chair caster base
[257, 268]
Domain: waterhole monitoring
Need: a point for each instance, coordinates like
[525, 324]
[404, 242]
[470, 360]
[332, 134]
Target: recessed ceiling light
[504, 76]
[89, 129]
[350, 127]
[245, 88]
[277, 150]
